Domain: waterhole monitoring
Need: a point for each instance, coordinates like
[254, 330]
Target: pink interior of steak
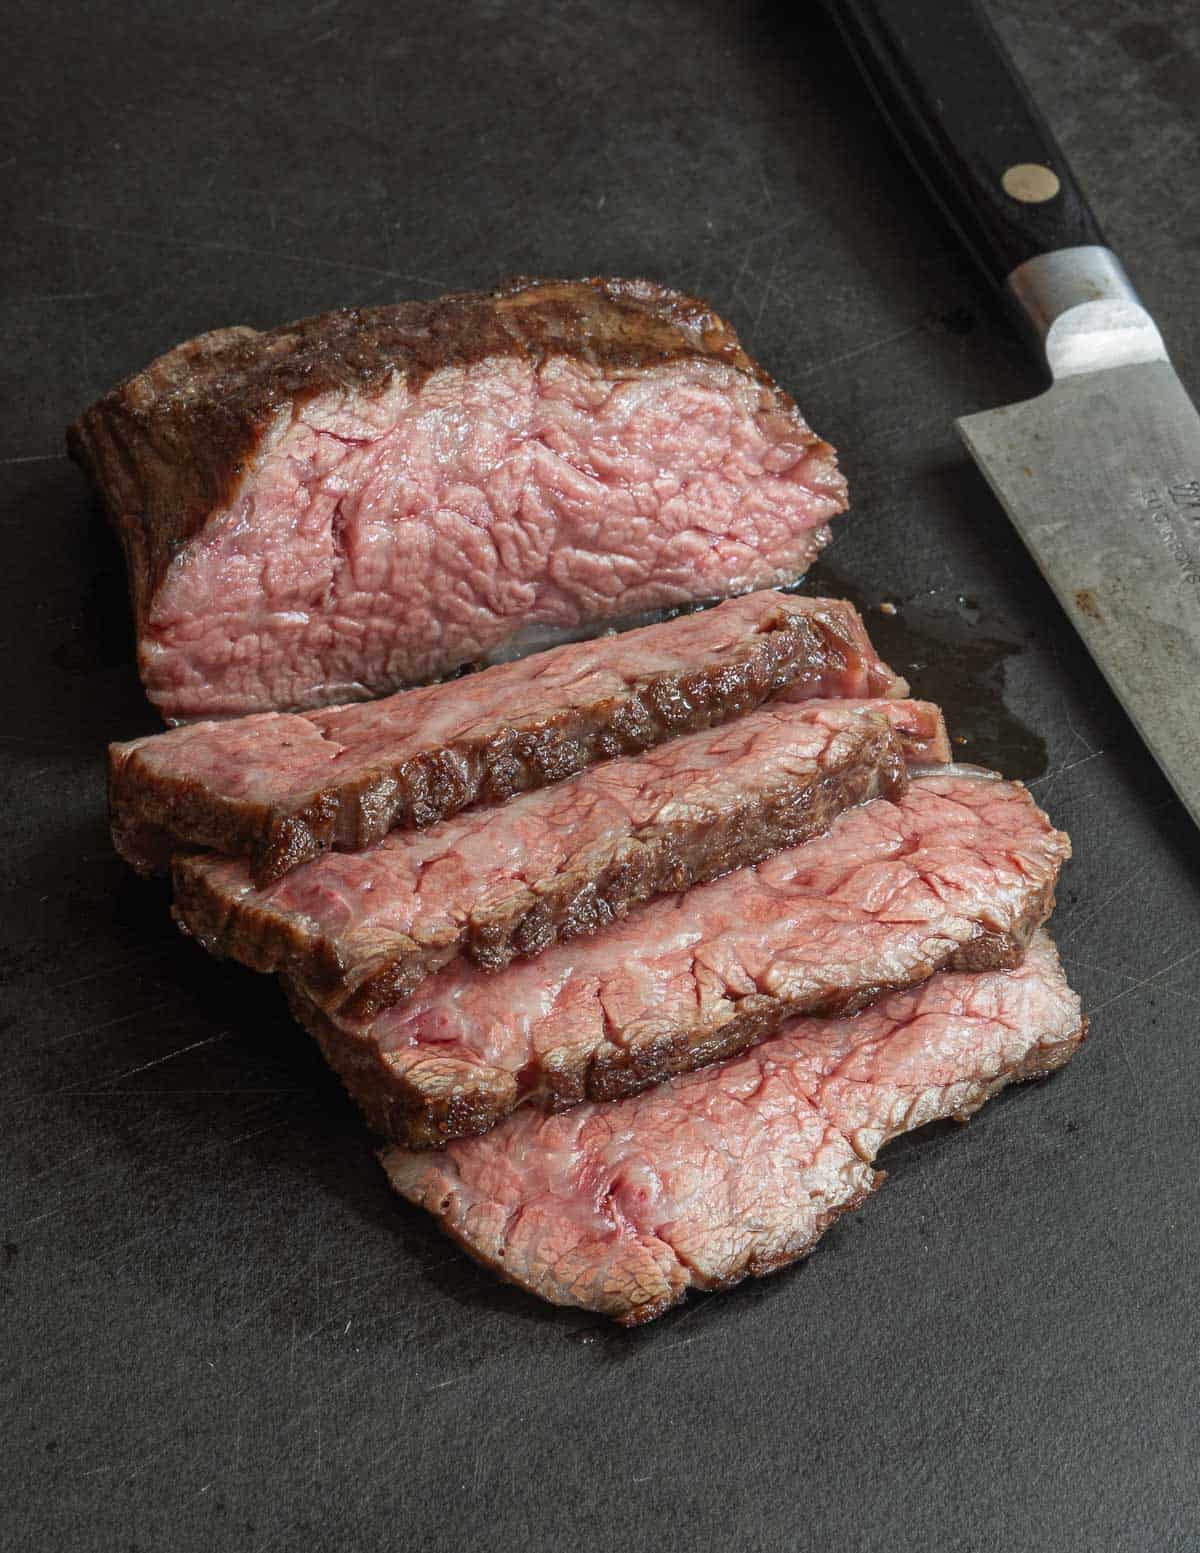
[890, 889]
[274, 757]
[381, 541]
[936, 1051]
[621, 1207]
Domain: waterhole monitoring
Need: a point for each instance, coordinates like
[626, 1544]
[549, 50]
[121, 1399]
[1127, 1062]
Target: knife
[1100, 474]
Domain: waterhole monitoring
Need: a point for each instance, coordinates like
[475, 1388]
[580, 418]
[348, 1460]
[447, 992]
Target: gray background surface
[218, 1330]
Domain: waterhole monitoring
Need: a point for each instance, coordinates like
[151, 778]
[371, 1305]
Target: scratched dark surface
[219, 1331]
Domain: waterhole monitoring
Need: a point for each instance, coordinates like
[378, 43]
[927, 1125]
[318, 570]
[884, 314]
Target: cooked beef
[739, 1169]
[365, 927]
[282, 788]
[337, 507]
[919, 726]
[956, 875]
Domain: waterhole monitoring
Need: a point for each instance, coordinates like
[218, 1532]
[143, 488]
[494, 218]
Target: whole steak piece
[282, 787]
[739, 1169]
[368, 499]
[955, 875]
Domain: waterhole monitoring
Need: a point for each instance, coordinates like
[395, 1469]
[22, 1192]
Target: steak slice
[366, 927]
[955, 876]
[331, 509]
[282, 788]
[739, 1169]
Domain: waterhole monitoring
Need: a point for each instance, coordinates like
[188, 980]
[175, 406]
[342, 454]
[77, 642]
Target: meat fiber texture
[371, 498]
[739, 1169]
[282, 788]
[366, 927]
[955, 876]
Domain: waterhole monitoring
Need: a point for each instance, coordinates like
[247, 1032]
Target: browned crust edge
[457, 1102]
[598, 889]
[151, 818]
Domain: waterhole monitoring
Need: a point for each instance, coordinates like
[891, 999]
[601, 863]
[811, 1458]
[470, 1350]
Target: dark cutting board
[219, 1330]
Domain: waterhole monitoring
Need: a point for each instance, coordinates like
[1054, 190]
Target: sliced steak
[282, 788]
[740, 1169]
[366, 927]
[331, 509]
[956, 875]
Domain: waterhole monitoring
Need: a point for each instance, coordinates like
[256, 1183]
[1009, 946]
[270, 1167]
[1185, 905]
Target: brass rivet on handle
[1031, 183]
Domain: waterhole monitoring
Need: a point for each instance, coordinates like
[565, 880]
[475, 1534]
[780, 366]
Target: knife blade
[1100, 473]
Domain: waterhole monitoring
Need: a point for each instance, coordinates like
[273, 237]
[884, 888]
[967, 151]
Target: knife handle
[950, 92]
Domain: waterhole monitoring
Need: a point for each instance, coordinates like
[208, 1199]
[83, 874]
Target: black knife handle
[944, 81]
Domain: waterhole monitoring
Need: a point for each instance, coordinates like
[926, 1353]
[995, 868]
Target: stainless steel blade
[1101, 478]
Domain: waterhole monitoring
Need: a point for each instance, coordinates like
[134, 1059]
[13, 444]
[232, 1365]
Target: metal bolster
[1046, 287]
[1084, 310]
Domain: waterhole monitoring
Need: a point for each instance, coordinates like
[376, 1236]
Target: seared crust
[152, 817]
[169, 446]
[598, 889]
[426, 1106]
